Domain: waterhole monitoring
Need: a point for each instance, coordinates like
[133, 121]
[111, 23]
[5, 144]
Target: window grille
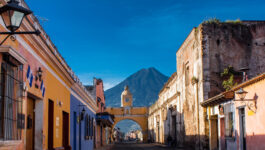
[11, 82]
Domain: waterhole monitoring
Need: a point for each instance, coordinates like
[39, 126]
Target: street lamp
[12, 14]
[39, 74]
[241, 94]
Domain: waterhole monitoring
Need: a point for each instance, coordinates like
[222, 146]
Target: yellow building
[127, 111]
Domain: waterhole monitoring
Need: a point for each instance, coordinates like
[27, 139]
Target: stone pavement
[138, 146]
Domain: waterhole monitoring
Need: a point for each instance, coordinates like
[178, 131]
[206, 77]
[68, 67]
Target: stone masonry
[207, 51]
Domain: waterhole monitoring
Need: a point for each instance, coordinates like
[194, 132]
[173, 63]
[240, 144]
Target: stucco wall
[85, 144]
[254, 117]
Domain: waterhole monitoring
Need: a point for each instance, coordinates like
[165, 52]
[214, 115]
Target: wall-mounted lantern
[242, 94]
[12, 14]
[39, 74]
[81, 114]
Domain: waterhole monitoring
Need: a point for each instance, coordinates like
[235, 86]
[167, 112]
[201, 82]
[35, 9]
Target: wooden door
[65, 130]
[50, 124]
[214, 133]
[222, 128]
[30, 124]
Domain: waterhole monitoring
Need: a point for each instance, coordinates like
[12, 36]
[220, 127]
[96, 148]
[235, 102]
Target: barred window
[11, 82]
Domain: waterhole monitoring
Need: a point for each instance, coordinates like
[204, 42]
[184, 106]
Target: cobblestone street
[138, 146]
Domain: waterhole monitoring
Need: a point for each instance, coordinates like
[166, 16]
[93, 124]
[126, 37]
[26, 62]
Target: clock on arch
[127, 99]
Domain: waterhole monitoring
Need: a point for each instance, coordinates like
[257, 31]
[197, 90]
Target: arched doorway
[128, 130]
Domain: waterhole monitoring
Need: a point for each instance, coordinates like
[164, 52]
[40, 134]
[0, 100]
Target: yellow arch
[137, 114]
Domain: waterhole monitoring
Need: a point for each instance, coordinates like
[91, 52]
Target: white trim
[13, 53]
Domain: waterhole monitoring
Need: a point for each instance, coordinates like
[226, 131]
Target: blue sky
[111, 39]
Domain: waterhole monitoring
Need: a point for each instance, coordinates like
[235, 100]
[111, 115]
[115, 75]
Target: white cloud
[108, 80]
[108, 85]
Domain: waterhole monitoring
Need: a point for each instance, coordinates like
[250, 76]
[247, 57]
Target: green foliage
[237, 21]
[212, 21]
[194, 80]
[229, 83]
[227, 71]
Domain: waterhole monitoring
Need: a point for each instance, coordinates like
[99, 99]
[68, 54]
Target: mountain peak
[145, 85]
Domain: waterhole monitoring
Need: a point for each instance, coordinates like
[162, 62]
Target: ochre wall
[56, 92]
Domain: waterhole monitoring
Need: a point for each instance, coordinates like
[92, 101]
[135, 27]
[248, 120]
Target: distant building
[162, 114]
[103, 119]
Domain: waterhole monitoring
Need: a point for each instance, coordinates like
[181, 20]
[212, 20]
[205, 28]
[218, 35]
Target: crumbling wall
[240, 45]
[203, 56]
[190, 79]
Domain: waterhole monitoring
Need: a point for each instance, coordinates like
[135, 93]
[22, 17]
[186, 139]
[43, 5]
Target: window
[229, 120]
[11, 99]
[98, 99]
[91, 127]
[187, 73]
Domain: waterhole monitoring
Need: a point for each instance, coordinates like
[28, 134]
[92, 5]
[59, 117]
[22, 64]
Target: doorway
[242, 127]
[65, 130]
[30, 132]
[158, 132]
[101, 135]
[214, 144]
[94, 137]
[50, 124]
[222, 132]
[74, 128]
[174, 129]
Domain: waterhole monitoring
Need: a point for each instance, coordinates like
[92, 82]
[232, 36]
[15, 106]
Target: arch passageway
[137, 114]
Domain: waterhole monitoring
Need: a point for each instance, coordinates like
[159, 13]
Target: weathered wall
[190, 86]
[238, 45]
[201, 59]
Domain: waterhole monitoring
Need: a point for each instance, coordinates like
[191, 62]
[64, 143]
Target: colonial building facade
[236, 116]
[37, 88]
[202, 58]
[162, 115]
